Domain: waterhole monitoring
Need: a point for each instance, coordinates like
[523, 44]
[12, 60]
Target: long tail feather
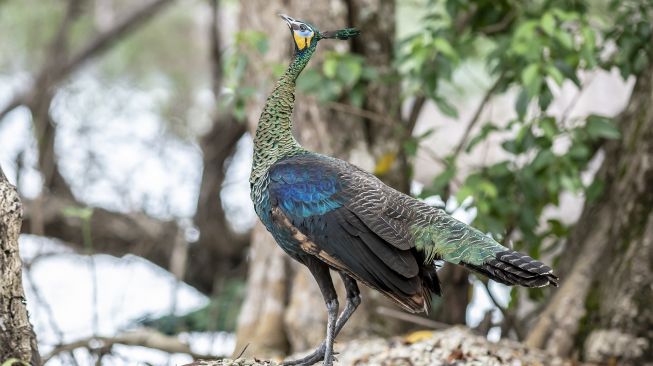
[513, 268]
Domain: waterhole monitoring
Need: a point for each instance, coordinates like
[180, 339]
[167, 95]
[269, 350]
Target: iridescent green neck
[274, 139]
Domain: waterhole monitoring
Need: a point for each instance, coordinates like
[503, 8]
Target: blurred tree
[219, 250]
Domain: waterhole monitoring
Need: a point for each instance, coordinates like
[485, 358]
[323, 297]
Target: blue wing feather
[304, 191]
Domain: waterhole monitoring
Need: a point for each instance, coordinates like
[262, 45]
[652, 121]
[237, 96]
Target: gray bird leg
[353, 300]
[320, 272]
[332, 315]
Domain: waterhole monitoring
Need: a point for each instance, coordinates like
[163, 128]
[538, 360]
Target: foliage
[235, 65]
[342, 74]
[529, 48]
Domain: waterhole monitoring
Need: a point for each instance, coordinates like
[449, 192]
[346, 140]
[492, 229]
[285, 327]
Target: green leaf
[485, 131]
[532, 79]
[568, 71]
[442, 180]
[83, 213]
[357, 95]
[349, 71]
[557, 227]
[510, 146]
[543, 159]
[329, 67]
[594, 190]
[555, 74]
[548, 23]
[545, 98]
[548, 126]
[565, 39]
[601, 127]
[425, 134]
[410, 147]
[579, 151]
[444, 46]
[521, 105]
[310, 81]
[445, 107]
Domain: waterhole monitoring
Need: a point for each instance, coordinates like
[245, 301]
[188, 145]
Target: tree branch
[102, 42]
[360, 112]
[53, 73]
[113, 233]
[509, 317]
[476, 117]
[500, 26]
[142, 338]
[415, 111]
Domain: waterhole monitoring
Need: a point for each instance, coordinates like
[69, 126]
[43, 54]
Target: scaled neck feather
[274, 139]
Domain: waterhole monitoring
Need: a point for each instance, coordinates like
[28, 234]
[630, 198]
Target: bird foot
[313, 358]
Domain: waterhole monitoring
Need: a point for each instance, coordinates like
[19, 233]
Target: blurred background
[127, 128]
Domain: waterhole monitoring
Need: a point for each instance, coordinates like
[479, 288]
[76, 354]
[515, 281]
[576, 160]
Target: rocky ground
[453, 346]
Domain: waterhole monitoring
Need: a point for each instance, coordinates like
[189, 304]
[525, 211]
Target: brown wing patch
[304, 242]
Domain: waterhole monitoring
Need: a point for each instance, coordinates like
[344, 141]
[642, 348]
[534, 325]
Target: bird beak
[288, 19]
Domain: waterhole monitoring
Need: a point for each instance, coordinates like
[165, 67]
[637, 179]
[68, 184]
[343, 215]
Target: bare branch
[56, 69]
[501, 25]
[113, 233]
[142, 338]
[415, 111]
[360, 112]
[104, 41]
[476, 117]
[509, 317]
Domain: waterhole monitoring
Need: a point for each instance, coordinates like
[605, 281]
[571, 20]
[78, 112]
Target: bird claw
[313, 358]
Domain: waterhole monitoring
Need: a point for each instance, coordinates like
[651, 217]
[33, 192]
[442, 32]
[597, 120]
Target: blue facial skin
[305, 33]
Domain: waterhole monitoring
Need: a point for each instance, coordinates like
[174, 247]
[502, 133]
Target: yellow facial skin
[303, 39]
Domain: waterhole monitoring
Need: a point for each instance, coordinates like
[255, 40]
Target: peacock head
[306, 35]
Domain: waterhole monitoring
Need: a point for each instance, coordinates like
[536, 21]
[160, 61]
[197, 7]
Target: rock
[453, 346]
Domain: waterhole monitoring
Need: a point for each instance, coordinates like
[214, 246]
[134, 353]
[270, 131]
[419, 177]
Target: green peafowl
[329, 214]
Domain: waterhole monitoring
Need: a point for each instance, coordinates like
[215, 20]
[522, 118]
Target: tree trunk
[603, 308]
[283, 303]
[17, 339]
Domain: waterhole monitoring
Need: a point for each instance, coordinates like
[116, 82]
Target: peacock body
[329, 214]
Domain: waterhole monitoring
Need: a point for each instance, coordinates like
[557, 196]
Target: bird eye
[302, 27]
